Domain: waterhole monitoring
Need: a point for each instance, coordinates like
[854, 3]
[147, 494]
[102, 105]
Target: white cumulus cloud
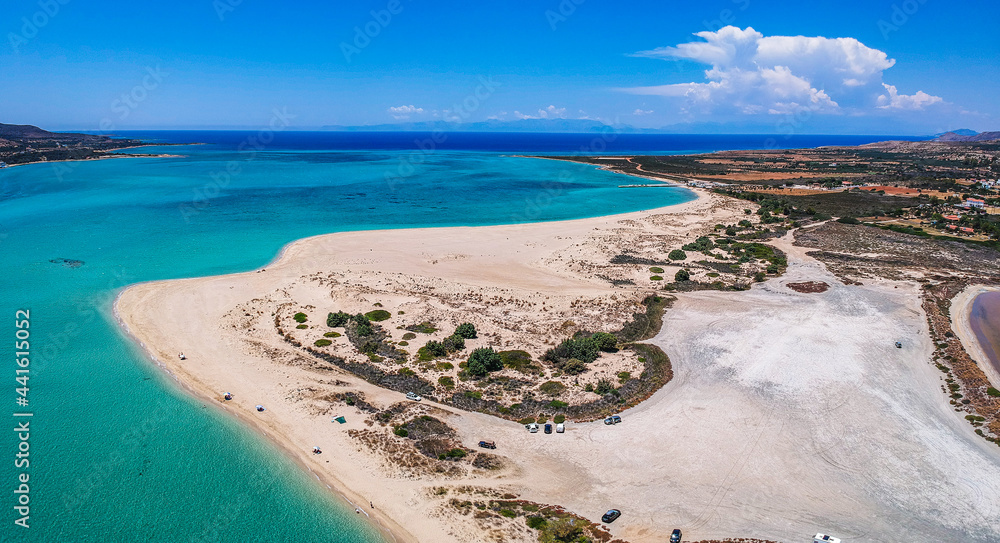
[894, 100]
[751, 74]
[404, 112]
[551, 112]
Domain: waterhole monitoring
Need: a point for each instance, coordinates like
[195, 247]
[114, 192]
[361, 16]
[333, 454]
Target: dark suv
[610, 516]
[675, 536]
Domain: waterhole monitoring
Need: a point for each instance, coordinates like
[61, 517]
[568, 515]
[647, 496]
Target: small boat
[260, 408]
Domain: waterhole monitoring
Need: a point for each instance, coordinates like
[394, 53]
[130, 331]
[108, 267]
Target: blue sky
[904, 67]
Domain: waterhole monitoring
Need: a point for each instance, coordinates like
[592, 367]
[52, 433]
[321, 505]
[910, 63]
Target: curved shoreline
[134, 295]
[961, 313]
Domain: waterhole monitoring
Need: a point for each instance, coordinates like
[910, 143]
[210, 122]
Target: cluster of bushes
[451, 344]
[703, 244]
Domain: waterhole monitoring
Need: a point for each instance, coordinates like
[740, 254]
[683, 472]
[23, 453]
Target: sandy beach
[789, 413]
[961, 309]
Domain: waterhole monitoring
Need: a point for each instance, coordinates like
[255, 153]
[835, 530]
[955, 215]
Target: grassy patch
[332, 334]
[656, 269]
[552, 388]
[446, 382]
[656, 278]
[322, 342]
[378, 315]
[301, 317]
[302, 326]
[409, 335]
[423, 328]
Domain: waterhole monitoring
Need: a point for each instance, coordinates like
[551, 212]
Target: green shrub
[559, 419]
[603, 387]
[445, 366]
[574, 366]
[423, 328]
[516, 360]
[378, 315]
[409, 335]
[508, 513]
[322, 342]
[401, 432]
[302, 326]
[676, 254]
[301, 317]
[605, 341]
[466, 330]
[456, 453]
[537, 523]
[552, 388]
[682, 275]
[446, 382]
[332, 334]
[454, 343]
[589, 387]
[542, 419]
[656, 269]
[556, 404]
[993, 392]
[407, 372]
[713, 274]
[484, 360]
[474, 394]
[656, 278]
[702, 244]
[526, 420]
[759, 277]
[433, 349]
[581, 348]
[848, 220]
[333, 320]
[624, 376]
[403, 343]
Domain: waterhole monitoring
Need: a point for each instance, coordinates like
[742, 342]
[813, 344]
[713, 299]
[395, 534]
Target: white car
[560, 428]
[823, 538]
[413, 396]
[533, 428]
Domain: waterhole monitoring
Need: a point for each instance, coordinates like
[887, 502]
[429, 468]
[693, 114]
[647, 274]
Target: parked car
[823, 538]
[487, 444]
[610, 516]
[413, 396]
[675, 536]
[899, 345]
[548, 428]
[613, 419]
[560, 428]
[533, 428]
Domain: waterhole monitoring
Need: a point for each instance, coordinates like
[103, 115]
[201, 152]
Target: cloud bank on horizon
[754, 74]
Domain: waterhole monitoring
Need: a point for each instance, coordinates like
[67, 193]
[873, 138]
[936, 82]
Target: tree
[484, 360]
[466, 330]
[339, 318]
[454, 343]
[682, 275]
[677, 254]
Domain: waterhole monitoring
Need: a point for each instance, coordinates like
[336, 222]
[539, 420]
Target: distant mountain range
[968, 135]
[577, 126]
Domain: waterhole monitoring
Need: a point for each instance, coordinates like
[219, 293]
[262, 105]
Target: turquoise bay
[119, 452]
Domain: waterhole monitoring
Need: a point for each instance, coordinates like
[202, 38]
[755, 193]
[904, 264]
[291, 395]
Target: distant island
[26, 144]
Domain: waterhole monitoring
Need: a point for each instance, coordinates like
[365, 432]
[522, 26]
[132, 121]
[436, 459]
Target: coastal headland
[753, 362]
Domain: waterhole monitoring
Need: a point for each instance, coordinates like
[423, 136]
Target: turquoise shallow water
[118, 451]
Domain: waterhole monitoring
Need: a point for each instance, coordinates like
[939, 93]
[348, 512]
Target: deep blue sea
[118, 452]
